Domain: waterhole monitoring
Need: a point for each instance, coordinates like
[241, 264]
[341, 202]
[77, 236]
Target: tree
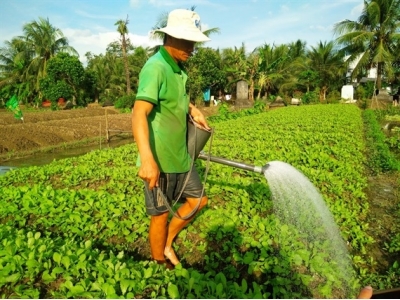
[136, 61]
[373, 37]
[43, 41]
[65, 78]
[13, 61]
[234, 64]
[277, 69]
[205, 71]
[328, 63]
[23, 60]
[308, 78]
[123, 31]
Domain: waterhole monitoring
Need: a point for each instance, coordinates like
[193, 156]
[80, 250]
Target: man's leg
[176, 225]
[158, 236]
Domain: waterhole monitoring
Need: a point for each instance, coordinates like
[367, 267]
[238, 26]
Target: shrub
[333, 97]
[360, 92]
[369, 89]
[381, 159]
[310, 98]
[362, 103]
[259, 106]
[125, 102]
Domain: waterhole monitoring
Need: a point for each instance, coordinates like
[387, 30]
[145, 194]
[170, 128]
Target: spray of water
[298, 204]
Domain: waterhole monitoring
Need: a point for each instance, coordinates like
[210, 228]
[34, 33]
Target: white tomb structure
[347, 92]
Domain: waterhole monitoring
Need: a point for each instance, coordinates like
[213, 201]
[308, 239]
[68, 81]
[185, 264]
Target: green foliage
[310, 98]
[76, 228]
[394, 142]
[360, 92]
[308, 78]
[204, 69]
[259, 106]
[53, 90]
[381, 159]
[66, 78]
[224, 113]
[333, 97]
[125, 102]
[369, 89]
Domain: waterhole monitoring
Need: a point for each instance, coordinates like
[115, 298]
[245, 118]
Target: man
[159, 122]
[396, 98]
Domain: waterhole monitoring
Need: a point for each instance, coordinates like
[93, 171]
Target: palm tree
[234, 64]
[373, 38]
[123, 31]
[12, 61]
[252, 73]
[277, 68]
[328, 63]
[43, 41]
[136, 61]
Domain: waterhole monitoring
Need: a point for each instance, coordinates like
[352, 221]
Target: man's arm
[148, 170]
[198, 117]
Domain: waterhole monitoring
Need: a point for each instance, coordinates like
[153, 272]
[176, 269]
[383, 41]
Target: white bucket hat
[184, 24]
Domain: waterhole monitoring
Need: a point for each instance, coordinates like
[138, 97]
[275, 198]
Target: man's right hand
[149, 172]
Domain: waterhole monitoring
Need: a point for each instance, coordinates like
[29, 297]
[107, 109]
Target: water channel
[44, 158]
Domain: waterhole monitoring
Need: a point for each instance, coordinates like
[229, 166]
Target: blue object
[206, 94]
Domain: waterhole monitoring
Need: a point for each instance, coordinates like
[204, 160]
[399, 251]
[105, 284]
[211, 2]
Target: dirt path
[384, 199]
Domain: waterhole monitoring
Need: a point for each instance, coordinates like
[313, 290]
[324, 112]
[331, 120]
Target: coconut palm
[328, 63]
[234, 64]
[42, 42]
[277, 68]
[373, 37]
[123, 31]
[12, 61]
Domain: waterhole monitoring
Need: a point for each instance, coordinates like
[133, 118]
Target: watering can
[387, 294]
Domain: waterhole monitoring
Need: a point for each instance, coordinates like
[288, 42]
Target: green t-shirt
[163, 83]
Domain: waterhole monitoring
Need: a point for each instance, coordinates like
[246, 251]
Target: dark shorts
[171, 185]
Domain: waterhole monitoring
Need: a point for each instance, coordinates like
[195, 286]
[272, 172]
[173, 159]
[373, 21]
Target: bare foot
[170, 254]
[167, 264]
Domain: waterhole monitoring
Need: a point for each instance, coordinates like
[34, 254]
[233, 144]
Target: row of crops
[77, 228]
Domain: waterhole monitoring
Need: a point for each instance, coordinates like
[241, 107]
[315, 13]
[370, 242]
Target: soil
[43, 130]
[384, 201]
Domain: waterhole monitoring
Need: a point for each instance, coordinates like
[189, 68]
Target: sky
[89, 25]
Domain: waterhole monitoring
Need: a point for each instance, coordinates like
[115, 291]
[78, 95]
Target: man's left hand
[198, 117]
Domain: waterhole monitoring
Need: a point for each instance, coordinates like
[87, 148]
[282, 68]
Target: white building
[372, 73]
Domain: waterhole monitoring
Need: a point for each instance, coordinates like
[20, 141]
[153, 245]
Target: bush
[363, 103]
[369, 89]
[360, 92]
[333, 97]
[381, 159]
[310, 98]
[365, 91]
[125, 102]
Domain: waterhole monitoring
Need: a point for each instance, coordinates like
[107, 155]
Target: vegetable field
[77, 228]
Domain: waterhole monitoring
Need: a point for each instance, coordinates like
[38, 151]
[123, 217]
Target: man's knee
[194, 202]
[204, 201]
[159, 220]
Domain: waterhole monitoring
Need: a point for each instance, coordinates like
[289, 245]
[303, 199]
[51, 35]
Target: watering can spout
[231, 163]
